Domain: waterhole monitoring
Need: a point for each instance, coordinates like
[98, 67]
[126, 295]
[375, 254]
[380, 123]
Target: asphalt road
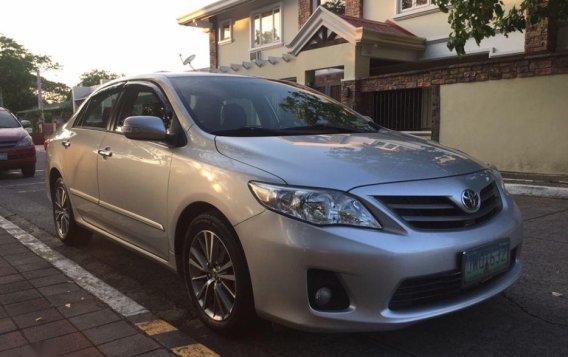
[526, 320]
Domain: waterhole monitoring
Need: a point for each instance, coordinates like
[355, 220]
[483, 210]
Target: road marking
[535, 190]
[24, 184]
[106, 293]
[29, 191]
[155, 327]
[194, 350]
[516, 179]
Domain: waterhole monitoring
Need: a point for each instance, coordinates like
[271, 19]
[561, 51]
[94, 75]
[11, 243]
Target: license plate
[482, 263]
[3, 156]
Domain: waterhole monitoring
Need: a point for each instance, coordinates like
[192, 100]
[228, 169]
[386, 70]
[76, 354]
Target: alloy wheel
[62, 209]
[212, 275]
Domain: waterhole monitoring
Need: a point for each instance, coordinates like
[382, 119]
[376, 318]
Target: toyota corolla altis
[273, 200]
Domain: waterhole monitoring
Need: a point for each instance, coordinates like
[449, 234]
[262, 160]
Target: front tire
[66, 228]
[217, 276]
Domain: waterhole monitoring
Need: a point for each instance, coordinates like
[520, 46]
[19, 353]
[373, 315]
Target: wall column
[542, 36]
[354, 8]
[304, 11]
[213, 49]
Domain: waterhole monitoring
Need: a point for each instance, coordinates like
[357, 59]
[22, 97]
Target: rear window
[7, 120]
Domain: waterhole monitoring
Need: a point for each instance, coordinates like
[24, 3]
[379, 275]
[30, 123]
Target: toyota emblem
[471, 201]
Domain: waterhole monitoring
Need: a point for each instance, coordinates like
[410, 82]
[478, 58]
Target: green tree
[55, 92]
[18, 76]
[336, 6]
[479, 19]
[94, 77]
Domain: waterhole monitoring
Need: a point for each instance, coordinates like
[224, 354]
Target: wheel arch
[54, 174]
[184, 220]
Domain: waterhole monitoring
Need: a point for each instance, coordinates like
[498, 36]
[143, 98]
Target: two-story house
[504, 102]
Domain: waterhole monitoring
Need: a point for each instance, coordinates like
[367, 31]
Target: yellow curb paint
[155, 327]
[194, 350]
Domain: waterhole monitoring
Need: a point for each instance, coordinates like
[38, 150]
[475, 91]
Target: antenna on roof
[187, 61]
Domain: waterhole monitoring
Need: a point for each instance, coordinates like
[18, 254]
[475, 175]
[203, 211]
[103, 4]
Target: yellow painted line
[194, 350]
[155, 327]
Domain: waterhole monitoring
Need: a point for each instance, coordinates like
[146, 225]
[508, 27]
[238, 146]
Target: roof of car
[166, 75]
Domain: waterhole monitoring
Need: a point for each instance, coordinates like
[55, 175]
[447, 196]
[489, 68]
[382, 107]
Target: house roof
[355, 30]
[388, 27]
[197, 17]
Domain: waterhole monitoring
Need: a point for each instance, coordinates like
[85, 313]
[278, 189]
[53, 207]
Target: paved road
[525, 320]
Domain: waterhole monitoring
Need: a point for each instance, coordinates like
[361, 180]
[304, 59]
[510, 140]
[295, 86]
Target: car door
[79, 152]
[134, 174]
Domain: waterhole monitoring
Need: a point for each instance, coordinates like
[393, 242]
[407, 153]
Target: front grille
[440, 212]
[7, 144]
[426, 290]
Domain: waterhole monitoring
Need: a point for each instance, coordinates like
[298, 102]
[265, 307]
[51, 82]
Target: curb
[537, 191]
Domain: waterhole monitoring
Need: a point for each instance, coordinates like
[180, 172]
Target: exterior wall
[238, 50]
[529, 135]
[333, 56]
[433, 25]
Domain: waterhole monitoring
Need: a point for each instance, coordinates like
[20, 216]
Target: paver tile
[49, 330]
[94, 319]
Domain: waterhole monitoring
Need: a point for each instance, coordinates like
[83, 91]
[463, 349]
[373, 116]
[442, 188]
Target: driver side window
[143, 101]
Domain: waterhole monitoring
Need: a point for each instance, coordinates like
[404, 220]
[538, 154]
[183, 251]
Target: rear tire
[217, 276]
[29, 171]
[66, 228]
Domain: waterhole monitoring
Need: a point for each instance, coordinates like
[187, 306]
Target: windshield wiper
[248, 131]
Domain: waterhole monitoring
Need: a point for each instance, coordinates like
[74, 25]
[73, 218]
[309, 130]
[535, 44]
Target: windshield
[240, 106]
[7, 120]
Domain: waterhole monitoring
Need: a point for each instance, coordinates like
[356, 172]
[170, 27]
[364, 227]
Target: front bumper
[370, 264]
[18, 157]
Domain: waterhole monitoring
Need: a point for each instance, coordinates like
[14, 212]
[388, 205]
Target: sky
[130, 37]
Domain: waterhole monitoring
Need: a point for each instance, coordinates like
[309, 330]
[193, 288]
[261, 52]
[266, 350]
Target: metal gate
[400, 109]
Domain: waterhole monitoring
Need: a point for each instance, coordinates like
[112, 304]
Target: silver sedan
[272, 200]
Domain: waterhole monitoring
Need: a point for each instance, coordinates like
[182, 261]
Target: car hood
[345, 161]
[12, 134]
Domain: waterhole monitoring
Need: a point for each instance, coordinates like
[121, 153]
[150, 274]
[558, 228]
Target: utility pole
[39, 96]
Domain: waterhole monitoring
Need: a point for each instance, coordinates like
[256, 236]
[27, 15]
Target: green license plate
[3, 156]
[482, 263]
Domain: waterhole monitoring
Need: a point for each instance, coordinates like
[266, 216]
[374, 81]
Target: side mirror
[26, 123]
[144, 128]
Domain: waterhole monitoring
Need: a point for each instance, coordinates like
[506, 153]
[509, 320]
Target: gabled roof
[355, 30]
[383, 27]
[197, 18]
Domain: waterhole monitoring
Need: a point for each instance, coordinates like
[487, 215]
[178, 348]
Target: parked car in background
[17, 150]
[274, 200]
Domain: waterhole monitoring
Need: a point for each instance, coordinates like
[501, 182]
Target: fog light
[325, 291]
[323, 296]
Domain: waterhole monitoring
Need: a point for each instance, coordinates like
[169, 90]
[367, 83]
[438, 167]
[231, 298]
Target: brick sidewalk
[43, 312]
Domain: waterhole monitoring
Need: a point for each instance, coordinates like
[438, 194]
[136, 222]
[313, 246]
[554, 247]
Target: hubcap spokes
[212, 275]
[61, 211]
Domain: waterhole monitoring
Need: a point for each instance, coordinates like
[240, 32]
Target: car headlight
[315, 206]
[499, 178]
[25, 141]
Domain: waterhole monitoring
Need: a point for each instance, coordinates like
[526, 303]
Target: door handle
[66, 143]
[106, 152]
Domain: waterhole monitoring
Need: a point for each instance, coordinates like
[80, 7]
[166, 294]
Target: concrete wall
[517, 124]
